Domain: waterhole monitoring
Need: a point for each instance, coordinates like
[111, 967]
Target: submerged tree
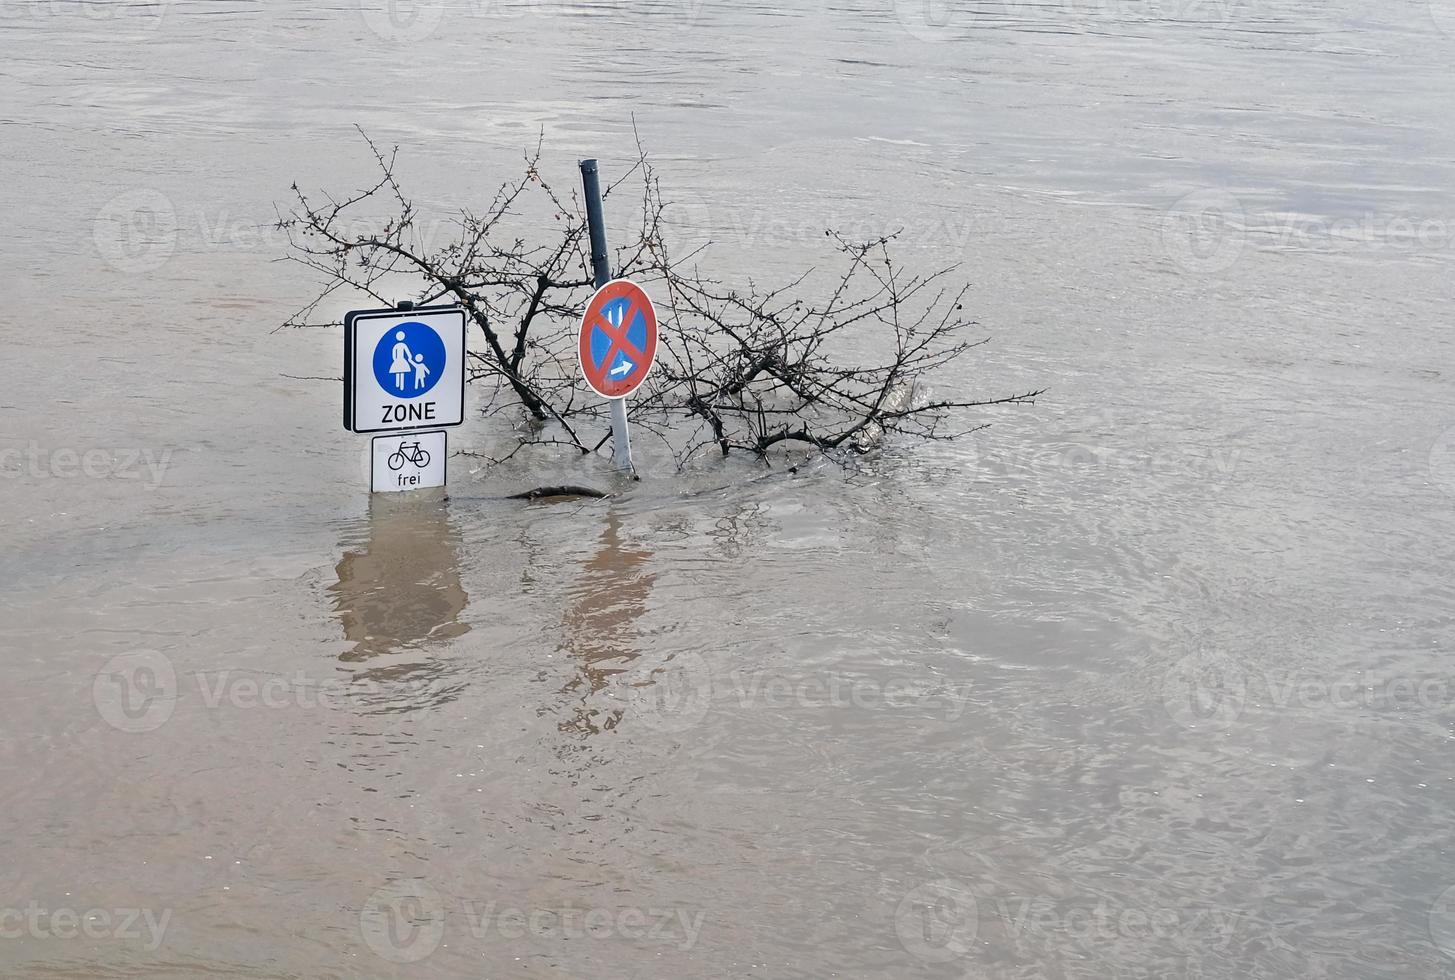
[739, 368]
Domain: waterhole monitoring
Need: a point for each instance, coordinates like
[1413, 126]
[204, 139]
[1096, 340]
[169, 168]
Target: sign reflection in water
[606, 602]
[399, 588]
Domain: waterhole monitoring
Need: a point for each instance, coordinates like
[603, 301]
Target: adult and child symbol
[409, 360]
[402, 365]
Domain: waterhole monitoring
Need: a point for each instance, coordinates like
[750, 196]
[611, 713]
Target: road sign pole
[621, 443]
[600, 261]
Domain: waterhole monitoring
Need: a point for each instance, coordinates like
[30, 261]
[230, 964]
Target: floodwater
[1147, 680]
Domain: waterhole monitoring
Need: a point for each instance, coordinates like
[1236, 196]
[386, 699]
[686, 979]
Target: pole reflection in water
[399, 589]
[609, 598]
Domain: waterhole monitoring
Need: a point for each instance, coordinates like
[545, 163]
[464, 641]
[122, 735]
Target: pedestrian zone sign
[404, 369]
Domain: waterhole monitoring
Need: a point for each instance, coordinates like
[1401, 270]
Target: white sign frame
[368, 407]
[395, 448]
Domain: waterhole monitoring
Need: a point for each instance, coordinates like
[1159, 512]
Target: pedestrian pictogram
[618, 341]
[409, 360]
[404, 369]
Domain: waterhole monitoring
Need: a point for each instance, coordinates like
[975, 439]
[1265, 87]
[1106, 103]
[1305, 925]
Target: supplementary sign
[408, 462]
[618, 341]
[404, 369]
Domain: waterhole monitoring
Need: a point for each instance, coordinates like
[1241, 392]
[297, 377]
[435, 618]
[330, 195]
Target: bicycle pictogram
[409, 451]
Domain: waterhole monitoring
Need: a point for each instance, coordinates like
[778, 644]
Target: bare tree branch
[739, 367]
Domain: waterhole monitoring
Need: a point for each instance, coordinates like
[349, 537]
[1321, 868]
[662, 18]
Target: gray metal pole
[600, 261]
[621, 441]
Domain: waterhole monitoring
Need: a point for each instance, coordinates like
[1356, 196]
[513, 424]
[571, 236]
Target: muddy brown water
[1151, 679]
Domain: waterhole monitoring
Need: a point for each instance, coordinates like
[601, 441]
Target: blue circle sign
[409, 360]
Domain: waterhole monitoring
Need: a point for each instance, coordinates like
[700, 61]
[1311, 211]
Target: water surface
[1145, 680]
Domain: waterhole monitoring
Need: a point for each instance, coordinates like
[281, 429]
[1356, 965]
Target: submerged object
[568, 490]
